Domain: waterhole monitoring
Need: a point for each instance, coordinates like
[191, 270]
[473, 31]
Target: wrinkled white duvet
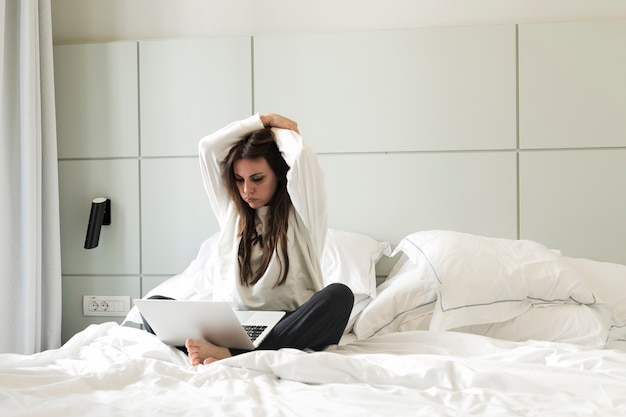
[109, 370]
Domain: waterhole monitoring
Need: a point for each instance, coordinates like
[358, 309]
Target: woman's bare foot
[201, 351]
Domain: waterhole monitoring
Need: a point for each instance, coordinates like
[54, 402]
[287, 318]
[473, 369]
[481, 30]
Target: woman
[266, 189]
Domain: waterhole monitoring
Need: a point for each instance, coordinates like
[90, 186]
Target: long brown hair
[260, 144]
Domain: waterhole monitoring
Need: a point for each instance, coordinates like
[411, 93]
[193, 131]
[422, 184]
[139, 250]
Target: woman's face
[256, 181]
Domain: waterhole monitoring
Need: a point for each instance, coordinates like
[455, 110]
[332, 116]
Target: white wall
[482, 160]
[111, 20]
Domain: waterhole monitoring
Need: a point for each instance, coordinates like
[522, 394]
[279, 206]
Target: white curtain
[30, 260]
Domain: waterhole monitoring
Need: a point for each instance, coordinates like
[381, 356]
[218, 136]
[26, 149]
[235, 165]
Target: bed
[462, 325]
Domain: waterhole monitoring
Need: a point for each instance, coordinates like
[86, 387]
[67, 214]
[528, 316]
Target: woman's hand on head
[276, 120]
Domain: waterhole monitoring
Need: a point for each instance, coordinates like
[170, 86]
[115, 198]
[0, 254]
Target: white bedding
[111, 370]
[463, 326]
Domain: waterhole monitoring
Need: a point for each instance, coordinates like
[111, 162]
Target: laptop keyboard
[254, 331]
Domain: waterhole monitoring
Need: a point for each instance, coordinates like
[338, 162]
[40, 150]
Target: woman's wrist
[266, 119]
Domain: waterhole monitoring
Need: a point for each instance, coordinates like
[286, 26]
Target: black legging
[318, 323]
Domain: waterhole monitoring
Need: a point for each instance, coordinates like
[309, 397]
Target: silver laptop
[174, 321]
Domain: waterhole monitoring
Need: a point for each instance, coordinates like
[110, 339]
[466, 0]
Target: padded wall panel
[176, 216]
[82, 181]
[405, 90]
[74, 287]
[575, 201]
[150, 282]
[190, 88]
[96, 100]
[572, 88]
[390, 196]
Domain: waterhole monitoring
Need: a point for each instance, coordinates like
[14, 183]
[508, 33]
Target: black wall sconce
[100, 215]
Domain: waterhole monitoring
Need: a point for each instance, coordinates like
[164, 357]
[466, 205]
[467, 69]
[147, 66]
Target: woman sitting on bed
[266, 189]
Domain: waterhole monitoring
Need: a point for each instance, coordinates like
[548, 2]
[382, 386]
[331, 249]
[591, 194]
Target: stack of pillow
[508, 289]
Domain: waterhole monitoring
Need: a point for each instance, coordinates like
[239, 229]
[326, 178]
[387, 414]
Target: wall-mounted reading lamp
[100, 215]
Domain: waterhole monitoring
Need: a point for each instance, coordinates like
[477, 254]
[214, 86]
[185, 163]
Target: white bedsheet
[109, 370]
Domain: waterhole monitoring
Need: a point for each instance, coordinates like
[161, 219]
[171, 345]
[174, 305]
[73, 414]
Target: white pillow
[608, 281]
[405, 302]
[360, 302]
[350, 258]
[565, 323]
[485, 280]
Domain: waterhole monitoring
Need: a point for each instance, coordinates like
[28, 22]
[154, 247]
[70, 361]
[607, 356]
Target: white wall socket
[106, 305]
